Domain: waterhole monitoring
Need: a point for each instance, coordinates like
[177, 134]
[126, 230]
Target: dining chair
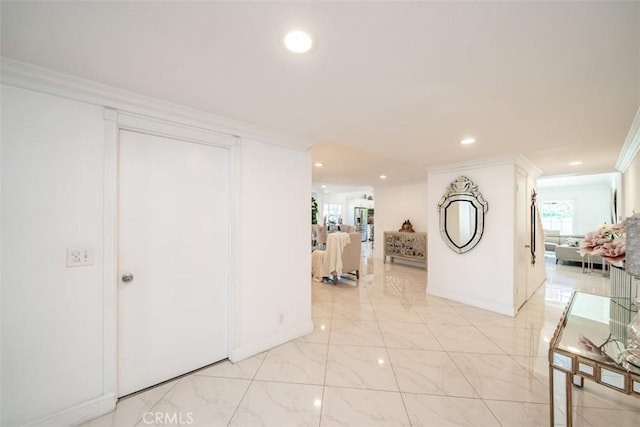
[351, 255]
[321, 236]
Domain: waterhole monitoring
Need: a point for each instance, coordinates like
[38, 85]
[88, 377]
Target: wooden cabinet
[409, 246]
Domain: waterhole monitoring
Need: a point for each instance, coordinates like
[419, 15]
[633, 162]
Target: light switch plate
[79, 256]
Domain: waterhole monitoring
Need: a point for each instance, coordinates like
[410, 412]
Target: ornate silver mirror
[462, 210]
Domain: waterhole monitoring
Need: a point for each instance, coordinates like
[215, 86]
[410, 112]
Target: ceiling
[389, 88]
[564, 181]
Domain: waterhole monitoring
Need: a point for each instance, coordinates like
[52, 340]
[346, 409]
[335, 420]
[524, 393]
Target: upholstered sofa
[551, 240]
[565, 247]
[571, 253]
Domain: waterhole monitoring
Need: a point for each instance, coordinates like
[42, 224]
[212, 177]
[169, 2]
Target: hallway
[385, 353]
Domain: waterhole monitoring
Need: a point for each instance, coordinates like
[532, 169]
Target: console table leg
[560, 399]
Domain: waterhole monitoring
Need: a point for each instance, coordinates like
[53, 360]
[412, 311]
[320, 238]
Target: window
[332, 213]
[557, 215]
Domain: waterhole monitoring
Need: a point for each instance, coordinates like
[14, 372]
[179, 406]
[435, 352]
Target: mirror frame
[462, 189]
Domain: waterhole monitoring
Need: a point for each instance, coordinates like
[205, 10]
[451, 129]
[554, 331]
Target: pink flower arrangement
[608, 242]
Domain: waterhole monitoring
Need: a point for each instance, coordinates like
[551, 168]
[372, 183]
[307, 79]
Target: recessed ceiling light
[467, 141]
[298, 41]
[318, 165]
[576, 163]
[383, 176]
[323, 186]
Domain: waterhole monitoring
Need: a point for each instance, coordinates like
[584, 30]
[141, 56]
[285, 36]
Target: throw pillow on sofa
[573, 242]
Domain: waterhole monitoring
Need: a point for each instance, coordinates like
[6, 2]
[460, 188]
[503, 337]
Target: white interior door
[522, 250]
[174, 242]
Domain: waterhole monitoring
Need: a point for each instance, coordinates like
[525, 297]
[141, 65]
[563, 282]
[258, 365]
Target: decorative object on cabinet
[462, 210]
[408, 246]
[407, 227]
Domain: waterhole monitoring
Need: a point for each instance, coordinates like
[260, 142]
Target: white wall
[484, 276]
[52, 198]
[275, 254]
[53, 157]
[397, 203]
[591, 204]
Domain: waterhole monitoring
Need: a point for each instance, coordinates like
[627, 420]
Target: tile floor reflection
[387, 354]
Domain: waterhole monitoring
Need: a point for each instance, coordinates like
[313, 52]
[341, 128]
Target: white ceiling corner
[389, 85]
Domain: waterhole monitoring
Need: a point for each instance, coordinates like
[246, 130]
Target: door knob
[127, 277]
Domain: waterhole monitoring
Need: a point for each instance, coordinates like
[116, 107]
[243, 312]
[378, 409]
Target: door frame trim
[115, 121]
[521, 176]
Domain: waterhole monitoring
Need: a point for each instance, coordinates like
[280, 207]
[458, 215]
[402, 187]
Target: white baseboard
[507, 310]
[252, 349]
[78, 414]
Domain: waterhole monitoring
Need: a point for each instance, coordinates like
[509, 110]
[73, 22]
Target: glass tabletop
[595, 328]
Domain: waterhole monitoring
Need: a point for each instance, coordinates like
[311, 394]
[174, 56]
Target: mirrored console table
[408, 246]
[586, 344]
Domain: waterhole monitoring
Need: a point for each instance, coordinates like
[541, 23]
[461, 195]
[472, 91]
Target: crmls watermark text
[173, 418]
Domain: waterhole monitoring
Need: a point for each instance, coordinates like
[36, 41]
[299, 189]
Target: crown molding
[509, 159]
[31, 77]
[631, 145]
[526, 164]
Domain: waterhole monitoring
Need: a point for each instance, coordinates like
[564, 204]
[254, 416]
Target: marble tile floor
[387, 354]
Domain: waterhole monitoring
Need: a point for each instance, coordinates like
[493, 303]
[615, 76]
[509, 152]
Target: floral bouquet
[608, 242]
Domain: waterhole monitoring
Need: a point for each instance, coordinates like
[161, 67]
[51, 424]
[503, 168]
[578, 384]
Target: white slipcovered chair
[342, 256]
[351, 256]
